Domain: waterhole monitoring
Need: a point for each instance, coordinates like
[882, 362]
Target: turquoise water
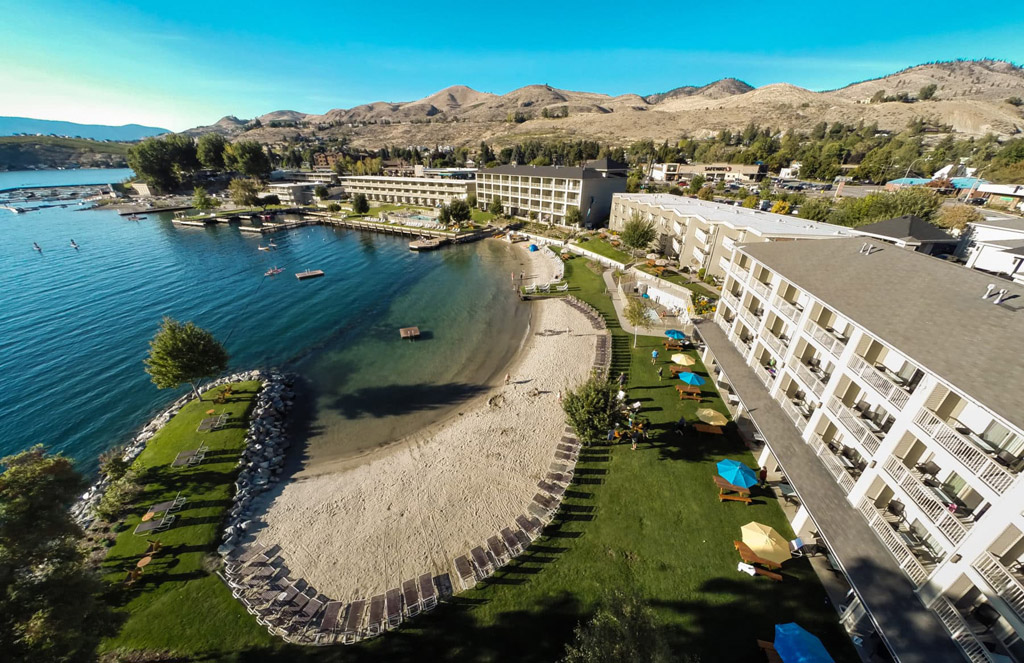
[75, 325]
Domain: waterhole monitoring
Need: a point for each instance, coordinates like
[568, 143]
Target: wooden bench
[750, 557]
[731, 493]
[676, 370]
[673, 345]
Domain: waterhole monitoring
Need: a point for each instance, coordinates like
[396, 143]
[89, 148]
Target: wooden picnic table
[676, 370]
[708, 428]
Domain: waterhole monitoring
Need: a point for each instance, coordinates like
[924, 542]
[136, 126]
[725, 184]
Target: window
[954, 484]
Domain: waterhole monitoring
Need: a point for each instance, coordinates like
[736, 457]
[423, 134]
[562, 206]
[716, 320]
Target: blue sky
[184, 63]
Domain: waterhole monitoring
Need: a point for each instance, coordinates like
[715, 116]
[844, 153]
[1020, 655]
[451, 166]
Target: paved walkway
[913, 633]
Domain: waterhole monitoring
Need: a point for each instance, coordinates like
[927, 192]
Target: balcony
[899, 550]
[747, 316]
[957, 626]
[764, 375]
[923, 496]
[794, 413]
[1007, 584]
[885, 387]
[762, 289]
[986, 469]
[854, 424]
[812, 381]
[741, 274]
[775, 343]
[832, 464]
[730, 299]
[828, 340]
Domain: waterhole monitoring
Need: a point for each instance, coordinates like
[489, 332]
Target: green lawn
[179, 606]
[603, 248]
[480, 216]
[377, 209]
[646, 521]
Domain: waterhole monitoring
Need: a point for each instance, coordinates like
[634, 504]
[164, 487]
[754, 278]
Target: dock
[426, 244]
[311, 274]
[411, 333]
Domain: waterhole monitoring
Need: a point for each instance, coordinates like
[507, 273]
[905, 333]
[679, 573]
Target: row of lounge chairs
[595, 317]
[191, 457]
[366, 619]
[212, 423]
[554, 286]
[483, 560]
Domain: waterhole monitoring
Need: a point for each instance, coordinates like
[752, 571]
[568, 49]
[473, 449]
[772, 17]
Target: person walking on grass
[660, 370]
[654, 356]
[634, 435]
[763, 477]
[622, 379]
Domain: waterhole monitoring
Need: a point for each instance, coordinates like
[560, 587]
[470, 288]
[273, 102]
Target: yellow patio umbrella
[683, 359]
[766, 542]
[713, 417]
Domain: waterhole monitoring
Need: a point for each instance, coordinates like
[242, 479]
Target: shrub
[623, 629]
[591, 409]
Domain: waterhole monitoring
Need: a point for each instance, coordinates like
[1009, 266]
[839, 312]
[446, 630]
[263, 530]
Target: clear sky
[183, 63]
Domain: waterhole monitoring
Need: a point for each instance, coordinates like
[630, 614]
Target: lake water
[75, 324]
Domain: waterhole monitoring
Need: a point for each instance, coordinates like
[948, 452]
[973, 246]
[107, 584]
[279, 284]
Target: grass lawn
[603, 248]
[480, 216]
[179, 606]
[377, 209]
[647, 521]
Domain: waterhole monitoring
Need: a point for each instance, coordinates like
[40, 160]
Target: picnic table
[676, 370]
[689, 391]
[708, 428]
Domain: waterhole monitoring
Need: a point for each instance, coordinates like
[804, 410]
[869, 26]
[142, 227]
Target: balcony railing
[730, 299]
[798, 418]
[854, 424]
[883, 385]
[775, 343]
[993, 475]
[1006, 584]
[809, 379]
[741, 274]
[906, 560]
[951, 527]
[787, 309]
[748, 317]
[832, 344]
[832, 464]
[760, 288]
[957, 626]
[762, 373]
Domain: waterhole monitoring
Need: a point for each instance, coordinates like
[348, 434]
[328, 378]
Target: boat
[263, 248]
[310, 274]
[73, 245]
[134, 217]
[273, 271]
[272, 244]
[426, 244]
[37, 247]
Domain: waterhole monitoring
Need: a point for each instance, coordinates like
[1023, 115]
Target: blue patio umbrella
[676, 334]
[533, 247]
[736, 473]
[691, 378]
[795, 645]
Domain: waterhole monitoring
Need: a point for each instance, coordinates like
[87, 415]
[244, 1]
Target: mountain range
[974, 97]
[10, 126]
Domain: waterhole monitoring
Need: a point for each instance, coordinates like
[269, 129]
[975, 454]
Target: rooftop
[570, 172]
[1003, 222]
[930, 310]
[756, 221]
[909, 228]
[407, 179]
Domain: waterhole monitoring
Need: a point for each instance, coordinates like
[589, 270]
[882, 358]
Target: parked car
[975, 201]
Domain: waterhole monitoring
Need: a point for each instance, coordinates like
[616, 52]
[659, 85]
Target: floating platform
[311, 274]
[409, 332]
[424, 244]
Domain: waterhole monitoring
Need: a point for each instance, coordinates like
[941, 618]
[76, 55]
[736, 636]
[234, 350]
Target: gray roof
[1011, 246]
[930, 310]
[1007, 223]
[570, 172]
[605, 163]
[908, 228]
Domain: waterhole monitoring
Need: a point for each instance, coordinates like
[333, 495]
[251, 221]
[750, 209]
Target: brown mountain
[970, 96]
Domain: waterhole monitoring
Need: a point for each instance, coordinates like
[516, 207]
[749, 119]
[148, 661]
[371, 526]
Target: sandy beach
[414, 506]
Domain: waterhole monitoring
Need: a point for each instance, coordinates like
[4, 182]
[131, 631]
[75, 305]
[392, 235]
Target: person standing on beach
[508, 378]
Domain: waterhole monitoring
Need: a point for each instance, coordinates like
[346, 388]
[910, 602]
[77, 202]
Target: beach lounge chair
[147, 526]
[428, 594]
[511, 542]
[375, 622]
[481, 564]
[352, 626]
[499, 553]
[552, 489]
[327, 633]
[305, 616]
[463, 569]
[568, 457]
[530, 289]
[411, 598]
[221, 421]
[545, 288]
[563, 288]
[393, 607]
[183, 458]
[560, 477]
[200, 455]
[530, 525]
[207, 424]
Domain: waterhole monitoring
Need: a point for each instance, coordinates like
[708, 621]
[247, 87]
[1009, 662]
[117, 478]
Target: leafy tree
[927, 92]
[815, 209]
[120, 493]
[266, 201]
[918, 201]
[248, 158]
[780, 207]
[460, 211]
[333, 207]
[244, 192]
[750, 202]
[495, 207]
[695, 185]
[957, 217]
[637, 313]
[181, 353]
[360, 204]
[471, 200]
[541, 161]
[590, 409]
[623, 630]
[182, 152]
[675, 190]
[573, 216]
[706, 193]
[203, 201]
[321, 192]
[210, 150]
[152, 161]
[50, 611]
[638, 232]
[444, 215]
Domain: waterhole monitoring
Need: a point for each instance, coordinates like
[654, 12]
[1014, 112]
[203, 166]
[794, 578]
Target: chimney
[988, 291]
[999, 297]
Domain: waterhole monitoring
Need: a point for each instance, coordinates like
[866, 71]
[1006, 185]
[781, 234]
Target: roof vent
[988, 291]
[1000, 295]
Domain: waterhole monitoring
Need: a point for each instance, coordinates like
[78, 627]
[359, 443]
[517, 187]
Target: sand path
[417, 505]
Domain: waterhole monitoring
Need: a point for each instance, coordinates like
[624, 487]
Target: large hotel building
[887, 388]
[548, 191]
[426, 191]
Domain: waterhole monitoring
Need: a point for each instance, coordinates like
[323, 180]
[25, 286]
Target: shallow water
[74, 325]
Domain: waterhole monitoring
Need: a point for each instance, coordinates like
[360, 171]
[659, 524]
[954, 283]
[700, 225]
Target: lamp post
[907, 174]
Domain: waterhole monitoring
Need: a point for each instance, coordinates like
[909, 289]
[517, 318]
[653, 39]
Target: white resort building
[887, 387]
[703, 234]
[548, 191]
[995, 245]
[427, 191]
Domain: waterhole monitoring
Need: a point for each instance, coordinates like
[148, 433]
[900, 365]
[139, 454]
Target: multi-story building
[702, 234]
[548, 191]
[994, 245]
[887, 388]
[423, 191]
[727, 172]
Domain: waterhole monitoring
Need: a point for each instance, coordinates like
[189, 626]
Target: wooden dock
[427, 244]
[411, 333]
[311, 274]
